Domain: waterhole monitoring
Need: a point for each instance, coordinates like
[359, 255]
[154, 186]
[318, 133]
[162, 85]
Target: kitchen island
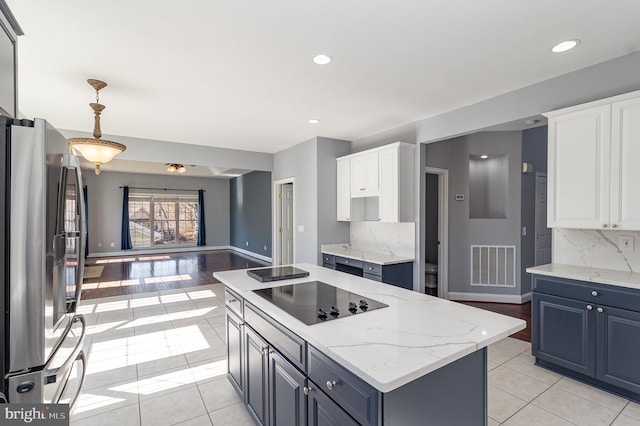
[420, 360]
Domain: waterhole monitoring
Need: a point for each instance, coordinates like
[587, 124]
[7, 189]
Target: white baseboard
[251, 254]
[138, 252]
[486, 297]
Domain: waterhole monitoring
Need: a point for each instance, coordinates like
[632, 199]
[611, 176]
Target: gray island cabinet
[587, 330]
[421, 360]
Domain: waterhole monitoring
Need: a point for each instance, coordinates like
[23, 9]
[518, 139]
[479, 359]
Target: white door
[286, 221]
[543, 234]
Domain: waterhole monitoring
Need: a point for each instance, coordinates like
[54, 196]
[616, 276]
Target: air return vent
[493, 266]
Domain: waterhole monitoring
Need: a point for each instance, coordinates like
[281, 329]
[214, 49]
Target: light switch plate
[626, 243]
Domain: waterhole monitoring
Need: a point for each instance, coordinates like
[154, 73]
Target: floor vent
[493, 266]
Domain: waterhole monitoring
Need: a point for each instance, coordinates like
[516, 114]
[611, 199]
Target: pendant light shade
[97, 150]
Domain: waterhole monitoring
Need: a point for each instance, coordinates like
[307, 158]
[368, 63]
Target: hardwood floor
[113, 276]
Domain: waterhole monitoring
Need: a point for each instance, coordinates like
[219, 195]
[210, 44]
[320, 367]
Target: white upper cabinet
[593, 149]
[343, 190]
[376, 185]
[364, 175]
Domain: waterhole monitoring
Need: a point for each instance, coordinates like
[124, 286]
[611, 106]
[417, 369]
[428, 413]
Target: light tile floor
[159, 359]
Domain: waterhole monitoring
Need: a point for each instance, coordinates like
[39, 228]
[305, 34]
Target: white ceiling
[238, 74]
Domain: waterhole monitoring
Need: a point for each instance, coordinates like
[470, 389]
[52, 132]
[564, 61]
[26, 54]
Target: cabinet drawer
[350, 262]
[328, 259]
[355, 396]
[372, 268]
[233, 301]
[372, 277]
[289, 344]
[603, 294]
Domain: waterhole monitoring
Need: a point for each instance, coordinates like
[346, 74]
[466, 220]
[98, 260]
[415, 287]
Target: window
[161, 220]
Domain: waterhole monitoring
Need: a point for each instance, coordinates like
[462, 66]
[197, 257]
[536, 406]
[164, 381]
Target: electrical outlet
[524, 231]
[99, 244]
[112, 244]
[246, 243]
[626, 243]
[265, 248]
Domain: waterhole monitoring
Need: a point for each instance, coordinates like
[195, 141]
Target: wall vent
[493, 266]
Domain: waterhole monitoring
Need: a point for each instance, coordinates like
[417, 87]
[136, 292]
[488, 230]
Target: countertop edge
[612, 277]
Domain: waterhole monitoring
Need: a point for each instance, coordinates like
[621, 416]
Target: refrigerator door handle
[51, 375]
[81, 239]
[72, 404]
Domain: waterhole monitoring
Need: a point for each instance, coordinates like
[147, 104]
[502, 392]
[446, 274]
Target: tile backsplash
[398, 239]
[595, 249]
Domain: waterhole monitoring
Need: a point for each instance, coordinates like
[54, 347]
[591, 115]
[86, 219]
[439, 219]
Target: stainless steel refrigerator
[42, 235]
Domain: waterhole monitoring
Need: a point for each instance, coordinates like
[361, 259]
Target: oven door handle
[65, 369]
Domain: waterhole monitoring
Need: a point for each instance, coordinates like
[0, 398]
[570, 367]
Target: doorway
[284, 222]
[436, 232]
[543, 240]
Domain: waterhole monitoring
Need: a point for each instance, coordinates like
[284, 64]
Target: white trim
[140, 252]
[443, 230]
[276, 243]
[488, 297]
[251, 254]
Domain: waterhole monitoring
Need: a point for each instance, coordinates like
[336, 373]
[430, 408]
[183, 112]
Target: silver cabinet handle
[600, 310]
[594, 293]
[306, 390]
[614, 225]
[604, 225]
[331, 384]
[589, 307]
[232, 300]
[362, 189]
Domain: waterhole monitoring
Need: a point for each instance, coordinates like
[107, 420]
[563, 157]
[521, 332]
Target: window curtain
[202, 236]
[125, 233]
[86, 222]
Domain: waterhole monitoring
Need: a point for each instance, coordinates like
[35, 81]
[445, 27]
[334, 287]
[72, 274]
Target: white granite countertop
[380, 258]
[389, 347]
[583, 273]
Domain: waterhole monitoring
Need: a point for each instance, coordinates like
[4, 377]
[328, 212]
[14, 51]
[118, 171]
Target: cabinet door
[235, 369]
[618, 335]
[578, 173]
[256, 367]
[287, 404]
[389, 185]
[324, 412]
[343, 190]
[364, 175]
[625, 157]
[563, 332]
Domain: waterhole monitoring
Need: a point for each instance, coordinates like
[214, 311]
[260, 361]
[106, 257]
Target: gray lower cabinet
[257, 367]
[398, 274]
[588, 331]
[235, 354]
[287, 401]
[324, 412]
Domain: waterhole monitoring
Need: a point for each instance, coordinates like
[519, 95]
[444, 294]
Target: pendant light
[96, 150]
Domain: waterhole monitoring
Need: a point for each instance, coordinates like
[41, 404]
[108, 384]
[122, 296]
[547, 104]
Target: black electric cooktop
[313, 302]
[277, 273]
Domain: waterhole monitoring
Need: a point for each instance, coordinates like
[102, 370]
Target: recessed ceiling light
[565, 45]
[484, 156]
[322, 59]
[314, 121]
[532, 121]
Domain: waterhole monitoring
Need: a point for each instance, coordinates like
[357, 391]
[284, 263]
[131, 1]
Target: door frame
[443, 231]
[277, 222]
[535, 219]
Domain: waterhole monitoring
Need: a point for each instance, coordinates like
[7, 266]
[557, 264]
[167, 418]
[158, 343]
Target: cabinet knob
[604, 225]
[600, 310]
[331, 384]
[306, 390]
[362, 189]
[589, 307]
[265, 350]
[614, 226]
[594, 293]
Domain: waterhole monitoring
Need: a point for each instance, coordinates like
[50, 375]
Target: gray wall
[105, 205]
[534, 150]
[312, 164]
[431, 220]
[454, 155]
[251, 212]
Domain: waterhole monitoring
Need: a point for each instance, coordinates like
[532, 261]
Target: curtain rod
[163, 189]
